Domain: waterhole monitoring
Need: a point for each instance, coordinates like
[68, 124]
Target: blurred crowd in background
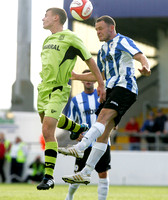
[13, 157]
[152, 132]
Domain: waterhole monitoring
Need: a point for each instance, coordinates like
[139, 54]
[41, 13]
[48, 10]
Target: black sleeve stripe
[71, 53]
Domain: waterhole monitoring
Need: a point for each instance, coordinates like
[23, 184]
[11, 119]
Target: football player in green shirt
[59, 54]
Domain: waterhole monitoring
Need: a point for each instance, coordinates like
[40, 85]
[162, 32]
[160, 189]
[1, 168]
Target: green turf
[29, 192]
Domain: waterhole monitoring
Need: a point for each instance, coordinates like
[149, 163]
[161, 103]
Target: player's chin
[101, 39]
[45, 26]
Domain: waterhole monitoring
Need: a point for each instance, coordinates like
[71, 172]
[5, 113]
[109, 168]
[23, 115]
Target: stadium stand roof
[138, 19]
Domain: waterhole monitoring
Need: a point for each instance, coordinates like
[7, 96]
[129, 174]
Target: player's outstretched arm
[95, 75]
[145, 70]
[90, 77]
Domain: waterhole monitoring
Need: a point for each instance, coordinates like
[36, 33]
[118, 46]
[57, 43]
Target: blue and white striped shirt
[115, 58]
[83, 107]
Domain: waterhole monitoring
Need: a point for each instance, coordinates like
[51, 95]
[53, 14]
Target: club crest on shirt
[61, 37]
[110, 45]
[53, 111]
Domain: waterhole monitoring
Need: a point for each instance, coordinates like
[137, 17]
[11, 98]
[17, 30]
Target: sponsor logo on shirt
[52, 46]
[90, 111]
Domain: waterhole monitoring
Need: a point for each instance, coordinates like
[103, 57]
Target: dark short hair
[107, 19]
[86, 71]
[61, 12]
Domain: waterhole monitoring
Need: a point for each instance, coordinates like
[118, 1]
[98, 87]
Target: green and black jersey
[59, 54]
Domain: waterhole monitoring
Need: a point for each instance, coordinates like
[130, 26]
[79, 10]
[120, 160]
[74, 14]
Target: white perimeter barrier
[127, 168]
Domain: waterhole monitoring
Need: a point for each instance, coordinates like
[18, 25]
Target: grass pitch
[29, 192]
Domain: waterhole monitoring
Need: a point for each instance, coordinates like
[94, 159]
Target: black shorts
[119, 99]
[102, 166]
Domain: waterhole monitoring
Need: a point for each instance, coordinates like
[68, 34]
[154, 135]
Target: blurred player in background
[19, 152]
[115, 61]
[2, 156]
[37, 172]
[82, 109]
[59, 54]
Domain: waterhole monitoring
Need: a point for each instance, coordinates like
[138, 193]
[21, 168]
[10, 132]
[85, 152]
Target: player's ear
[112, 27]
[56, 17]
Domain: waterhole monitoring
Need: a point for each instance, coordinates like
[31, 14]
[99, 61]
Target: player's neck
[113, 35]
[56, 29]
[89, 91]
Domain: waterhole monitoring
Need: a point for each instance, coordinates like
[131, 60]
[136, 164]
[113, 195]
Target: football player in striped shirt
[82, 109]
[116, 63]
